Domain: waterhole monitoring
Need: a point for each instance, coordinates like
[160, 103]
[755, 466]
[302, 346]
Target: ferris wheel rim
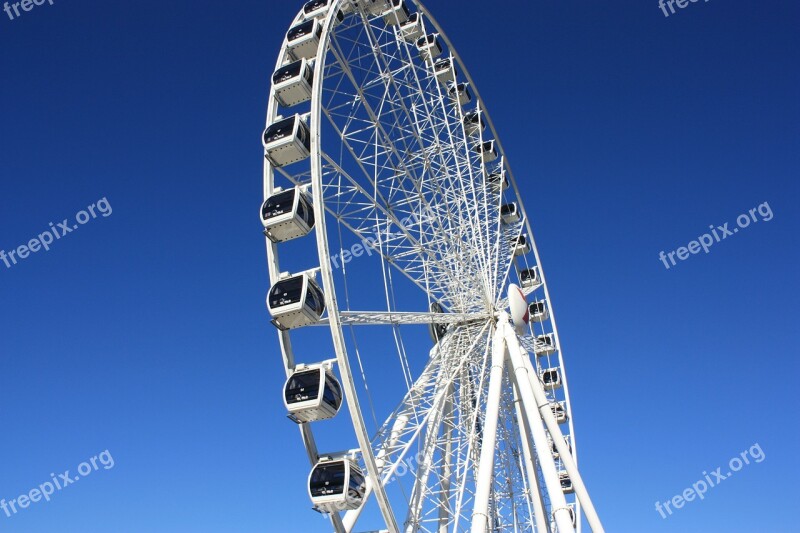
[334, 312]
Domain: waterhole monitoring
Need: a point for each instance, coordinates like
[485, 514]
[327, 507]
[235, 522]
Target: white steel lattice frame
[393, 166]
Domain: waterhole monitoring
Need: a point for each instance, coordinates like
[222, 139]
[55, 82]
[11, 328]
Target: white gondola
[315, 8]
[396, 14]
[302, 40]
[566, 482]
[312, 393]
[559, 411]
[553, 448]
[445, 70]
[295, 301]
[521, 246]
[509, 213]
[551, 378]
[412, 29]
[537, 311]
[292, 83]
[287, 141]
[530, 277]
[287, 215]
[498, 181]
[373, 7]
[486, 150]
[460, 92]
[572, 516]
[473, 124]
[318, 9]
[437, 331]
[546, 344]
[336, 485]
[429, 46]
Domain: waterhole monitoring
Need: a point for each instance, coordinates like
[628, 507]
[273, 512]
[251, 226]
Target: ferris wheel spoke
[457, 145]
[382, 318]
[449, 357]
[374, 122]
[373, 117]
[409, 241]
[366, 235]
[444, 460]
[400, 250]
[425, 465]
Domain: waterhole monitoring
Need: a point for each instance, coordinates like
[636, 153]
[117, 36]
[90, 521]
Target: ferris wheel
[423, 363]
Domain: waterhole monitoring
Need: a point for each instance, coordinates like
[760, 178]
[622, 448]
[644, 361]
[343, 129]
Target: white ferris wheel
[424, 317]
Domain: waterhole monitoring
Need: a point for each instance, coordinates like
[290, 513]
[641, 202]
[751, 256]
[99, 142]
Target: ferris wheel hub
[520, 315]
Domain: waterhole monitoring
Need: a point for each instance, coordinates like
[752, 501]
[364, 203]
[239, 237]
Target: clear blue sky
[145, 332]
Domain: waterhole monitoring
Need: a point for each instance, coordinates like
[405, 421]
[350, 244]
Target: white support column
[480, 513]
[522, 382]
[561, 445]
[540, 517]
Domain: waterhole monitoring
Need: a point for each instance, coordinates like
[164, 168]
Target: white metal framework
[418, 228]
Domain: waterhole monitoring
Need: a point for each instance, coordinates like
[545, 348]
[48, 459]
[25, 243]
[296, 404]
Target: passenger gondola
[287, 141]
[566, 482]
[302, 40]
[521, 246]
[473, 123]
[551, 378]
[559, 411]
[412, 29]
[295, 301]
[498, 181]
[396, 14]
[530, 277]
[373, 7]
[538, 311]
[445, 70]
[318, 9]
[509, 213]
[486, 150]
[287, 215]
[572, 517]
[429, 46]
[315, 8]
[292, 83]
[555, 450]
[336, 485]
[460, 93]
[312, 393]
[545, 344]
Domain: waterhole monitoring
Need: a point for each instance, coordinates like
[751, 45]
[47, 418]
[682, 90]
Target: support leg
[561, 445]
[540, 517]
[480, 514]
[522, 383]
